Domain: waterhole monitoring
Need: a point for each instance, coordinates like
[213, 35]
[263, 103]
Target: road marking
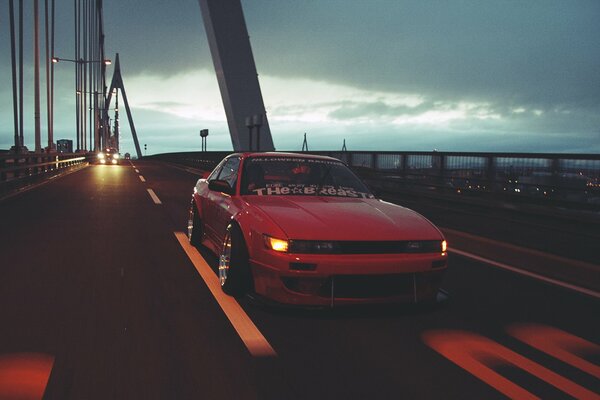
[559, 344]
[137, 170]
[25, 375]
[480, 356]
[142, 178]
[254, 340]
[556, 282]
[155, 198]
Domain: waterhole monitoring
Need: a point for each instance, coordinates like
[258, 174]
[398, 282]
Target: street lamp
[258, 121]
[255, 121]
[81, 128]
[81, 61]
[203, 135]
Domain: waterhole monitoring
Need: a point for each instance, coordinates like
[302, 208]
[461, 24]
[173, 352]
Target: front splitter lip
[442, 297]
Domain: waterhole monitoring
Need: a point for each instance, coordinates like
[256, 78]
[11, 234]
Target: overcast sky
[518, 76]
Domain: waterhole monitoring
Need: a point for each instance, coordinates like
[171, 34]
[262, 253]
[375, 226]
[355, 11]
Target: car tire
[234, 268]
[194, 226]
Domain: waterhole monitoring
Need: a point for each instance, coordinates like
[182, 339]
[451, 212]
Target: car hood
[340, 218]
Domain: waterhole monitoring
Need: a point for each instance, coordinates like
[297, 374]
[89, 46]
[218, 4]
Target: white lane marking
[556, 282]
[142, 178]
[254, 340]
[137, 170]
[155, 198]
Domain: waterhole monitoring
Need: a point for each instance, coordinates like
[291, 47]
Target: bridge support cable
[90, 71]
[117, 83]
[13, 59]
[49, 41]
[236, 71]
[89, 79]
[36, 77]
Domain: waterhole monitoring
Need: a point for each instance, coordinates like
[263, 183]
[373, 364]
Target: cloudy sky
[452, 75]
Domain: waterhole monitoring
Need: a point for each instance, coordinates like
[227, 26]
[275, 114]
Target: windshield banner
[310, 190]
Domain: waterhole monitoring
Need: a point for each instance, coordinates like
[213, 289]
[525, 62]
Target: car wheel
[234, 269]
[194, 227]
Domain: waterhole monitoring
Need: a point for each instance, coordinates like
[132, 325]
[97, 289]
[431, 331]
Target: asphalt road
[99, 298]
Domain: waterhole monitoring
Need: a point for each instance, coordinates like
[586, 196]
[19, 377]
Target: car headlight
[276, 244]
[314, 247]
[116, 156]
[425, 246]
[101, 155]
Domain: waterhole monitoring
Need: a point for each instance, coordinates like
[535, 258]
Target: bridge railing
[21, 169]
[570, 180]
[206, 160]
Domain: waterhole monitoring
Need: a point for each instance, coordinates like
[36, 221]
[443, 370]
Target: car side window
[229, 172]
[215, 173]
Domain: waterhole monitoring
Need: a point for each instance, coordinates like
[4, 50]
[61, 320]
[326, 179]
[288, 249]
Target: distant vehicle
[109, 156]
[127, 156]
[304, 230]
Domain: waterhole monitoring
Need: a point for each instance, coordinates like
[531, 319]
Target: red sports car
[303, 229]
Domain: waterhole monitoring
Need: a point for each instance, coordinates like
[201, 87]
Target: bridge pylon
[236, 71]
[117, 84]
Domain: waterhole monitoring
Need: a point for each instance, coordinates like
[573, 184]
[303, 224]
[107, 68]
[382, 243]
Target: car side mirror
[220, 186]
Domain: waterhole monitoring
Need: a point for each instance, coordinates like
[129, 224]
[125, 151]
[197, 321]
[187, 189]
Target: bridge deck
[93, 276]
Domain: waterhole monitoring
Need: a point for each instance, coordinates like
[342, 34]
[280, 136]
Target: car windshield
[268, 176]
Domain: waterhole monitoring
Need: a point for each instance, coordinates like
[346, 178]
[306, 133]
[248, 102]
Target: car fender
[199, 192]
[197, 201]
[254, 223]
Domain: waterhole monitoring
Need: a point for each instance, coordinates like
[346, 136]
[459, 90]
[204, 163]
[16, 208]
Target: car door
[221, 203]
[208, 206]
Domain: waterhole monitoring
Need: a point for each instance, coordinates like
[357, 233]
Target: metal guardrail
[569, 180]
[21, 169]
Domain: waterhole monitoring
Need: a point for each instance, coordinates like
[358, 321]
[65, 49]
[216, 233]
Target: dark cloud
[161, 37]
[534, 52]
[375, 109]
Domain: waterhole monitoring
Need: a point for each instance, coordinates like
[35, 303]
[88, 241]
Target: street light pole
[258, 121]
[80, 103]
[203, 135]
[249, 125]
[48, 84]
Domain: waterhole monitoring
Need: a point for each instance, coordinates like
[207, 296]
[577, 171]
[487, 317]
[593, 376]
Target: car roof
[285, 154]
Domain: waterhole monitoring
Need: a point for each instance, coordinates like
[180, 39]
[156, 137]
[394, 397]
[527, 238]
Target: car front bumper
[329, 280]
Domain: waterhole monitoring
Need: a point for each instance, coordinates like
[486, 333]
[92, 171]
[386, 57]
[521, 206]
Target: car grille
[365, 247]
[430, 246]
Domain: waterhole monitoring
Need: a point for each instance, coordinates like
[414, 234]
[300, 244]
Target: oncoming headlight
[101, 155]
